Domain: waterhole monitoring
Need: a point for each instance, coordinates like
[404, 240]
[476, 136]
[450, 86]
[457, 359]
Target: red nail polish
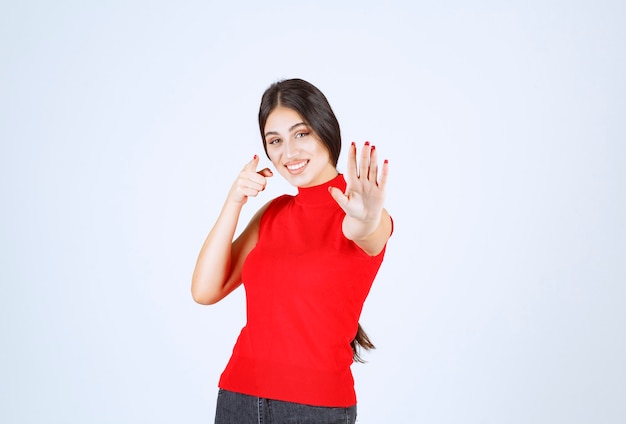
[373, 147]
[367, 143]
[255, 157]
[386, 161]
[354, 144]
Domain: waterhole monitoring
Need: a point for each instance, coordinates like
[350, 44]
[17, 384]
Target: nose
[291, 149]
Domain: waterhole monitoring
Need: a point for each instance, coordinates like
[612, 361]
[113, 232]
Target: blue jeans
[235, 408]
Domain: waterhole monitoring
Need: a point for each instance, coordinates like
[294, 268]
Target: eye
[274, 141]
[301, 134]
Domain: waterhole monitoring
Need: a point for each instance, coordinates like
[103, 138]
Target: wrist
[359, 229]
[234, 204]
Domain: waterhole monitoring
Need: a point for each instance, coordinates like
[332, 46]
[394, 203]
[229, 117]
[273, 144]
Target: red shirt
[305, 287]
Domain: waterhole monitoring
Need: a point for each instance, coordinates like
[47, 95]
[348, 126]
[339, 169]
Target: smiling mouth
[297, 166]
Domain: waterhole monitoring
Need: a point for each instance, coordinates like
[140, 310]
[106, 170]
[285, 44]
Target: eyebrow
[291, 128]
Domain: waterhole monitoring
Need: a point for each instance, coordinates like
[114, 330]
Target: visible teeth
[296, 166]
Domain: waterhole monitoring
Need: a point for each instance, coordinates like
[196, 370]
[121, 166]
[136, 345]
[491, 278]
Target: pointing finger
[266, 172]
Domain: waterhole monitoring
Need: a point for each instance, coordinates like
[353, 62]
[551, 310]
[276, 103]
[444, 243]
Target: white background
[123, 124]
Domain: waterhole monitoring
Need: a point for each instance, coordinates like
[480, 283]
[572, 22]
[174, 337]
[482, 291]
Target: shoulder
[279, 202]
[271, 208]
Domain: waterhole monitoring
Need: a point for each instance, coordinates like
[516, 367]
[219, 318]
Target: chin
[298, 180]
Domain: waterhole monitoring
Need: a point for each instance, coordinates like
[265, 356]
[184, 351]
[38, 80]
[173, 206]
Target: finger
[365, 161]
[266, 172]
[383, 177]
[373, 174]
[351, 170]
[251, 192]
[339, 197]
[252, 182]
[251, 166]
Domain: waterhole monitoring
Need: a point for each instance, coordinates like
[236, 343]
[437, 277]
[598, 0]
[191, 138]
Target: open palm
[365, 192]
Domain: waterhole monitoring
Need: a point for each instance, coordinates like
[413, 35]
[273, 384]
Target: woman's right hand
[219, 265]
[249, 182]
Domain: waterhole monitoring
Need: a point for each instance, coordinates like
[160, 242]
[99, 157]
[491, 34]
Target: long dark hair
[360, 341]
[311, 104]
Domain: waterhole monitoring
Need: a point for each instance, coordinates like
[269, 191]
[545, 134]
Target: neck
[319, 194]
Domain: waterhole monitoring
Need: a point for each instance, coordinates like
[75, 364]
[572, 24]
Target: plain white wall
[123, 124]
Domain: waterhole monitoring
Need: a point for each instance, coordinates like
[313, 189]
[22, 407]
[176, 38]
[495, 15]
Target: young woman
[307, 263]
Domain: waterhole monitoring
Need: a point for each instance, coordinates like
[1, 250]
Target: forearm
[213, 267]
[370, 235]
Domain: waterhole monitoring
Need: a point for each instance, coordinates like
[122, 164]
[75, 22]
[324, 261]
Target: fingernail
[386, 161]
[367, 143]
[373, 147]
[255, 157]
[354, 144]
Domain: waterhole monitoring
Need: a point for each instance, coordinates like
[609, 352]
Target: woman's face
[295, 150]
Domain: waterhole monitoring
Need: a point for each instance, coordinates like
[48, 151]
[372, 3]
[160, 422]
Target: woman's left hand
[364, 198]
